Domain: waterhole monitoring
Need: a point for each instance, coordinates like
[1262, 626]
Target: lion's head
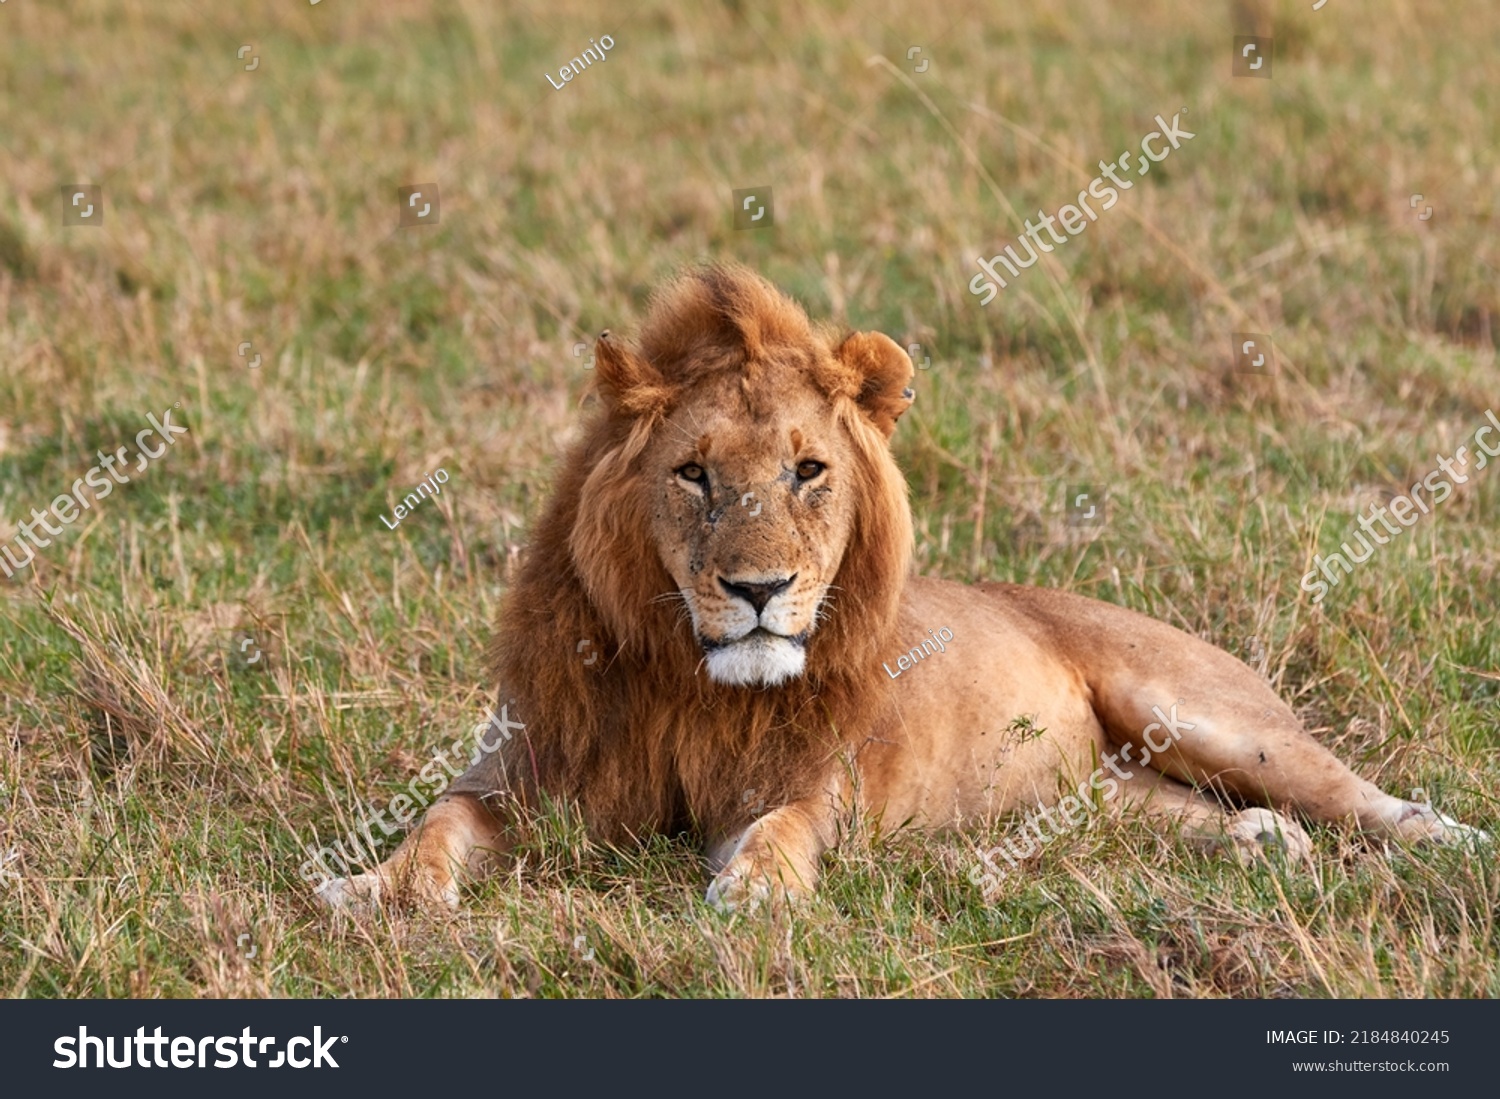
[751, 459]
[705, 600]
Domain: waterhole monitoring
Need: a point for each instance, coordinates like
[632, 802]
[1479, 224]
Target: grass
[156, 790]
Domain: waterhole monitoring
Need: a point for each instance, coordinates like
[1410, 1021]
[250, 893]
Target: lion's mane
[640, 738]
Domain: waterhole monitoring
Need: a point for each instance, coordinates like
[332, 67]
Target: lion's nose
[757, 593]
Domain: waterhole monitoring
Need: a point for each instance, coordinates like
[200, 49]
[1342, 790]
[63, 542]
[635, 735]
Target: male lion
[715, 630]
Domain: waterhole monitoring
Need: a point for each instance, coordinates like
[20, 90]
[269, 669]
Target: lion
[716, 631]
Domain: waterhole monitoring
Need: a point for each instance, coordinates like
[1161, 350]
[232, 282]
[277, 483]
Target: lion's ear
[625, 380]
[883, 369]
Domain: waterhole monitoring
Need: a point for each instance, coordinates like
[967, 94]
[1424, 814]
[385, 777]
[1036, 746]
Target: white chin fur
[757, 662]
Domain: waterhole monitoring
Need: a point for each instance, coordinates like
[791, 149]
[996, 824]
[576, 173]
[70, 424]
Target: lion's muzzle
[760, 642]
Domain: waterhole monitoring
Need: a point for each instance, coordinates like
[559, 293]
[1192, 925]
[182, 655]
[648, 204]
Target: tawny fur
[599, 733]
[650, 560]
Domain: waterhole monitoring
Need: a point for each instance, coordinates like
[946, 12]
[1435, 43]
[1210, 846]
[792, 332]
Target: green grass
[155, 792]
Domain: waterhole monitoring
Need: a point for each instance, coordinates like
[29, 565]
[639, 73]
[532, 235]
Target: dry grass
[155, 791]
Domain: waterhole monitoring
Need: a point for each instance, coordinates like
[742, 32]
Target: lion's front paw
[359, 895]
[741, 886]
[1424, 824]
[365, 894]
[1255, 833]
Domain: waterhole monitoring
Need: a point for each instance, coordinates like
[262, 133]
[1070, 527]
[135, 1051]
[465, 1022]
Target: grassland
[157, 787]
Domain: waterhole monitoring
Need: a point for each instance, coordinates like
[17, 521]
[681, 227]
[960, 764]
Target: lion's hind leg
[1196, 714]
[1206, 823]
[1192, 711]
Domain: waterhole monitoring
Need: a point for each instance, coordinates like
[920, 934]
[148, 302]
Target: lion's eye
[692, 472]
[806, 471]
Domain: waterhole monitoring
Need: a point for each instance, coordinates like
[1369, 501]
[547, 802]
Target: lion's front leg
[775, 859]
[458, 836]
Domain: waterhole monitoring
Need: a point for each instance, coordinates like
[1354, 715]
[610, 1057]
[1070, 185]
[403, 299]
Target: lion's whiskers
[825, 603]
[684, 611]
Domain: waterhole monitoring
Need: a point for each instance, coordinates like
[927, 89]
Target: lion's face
[743, 466]
[751, 507]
